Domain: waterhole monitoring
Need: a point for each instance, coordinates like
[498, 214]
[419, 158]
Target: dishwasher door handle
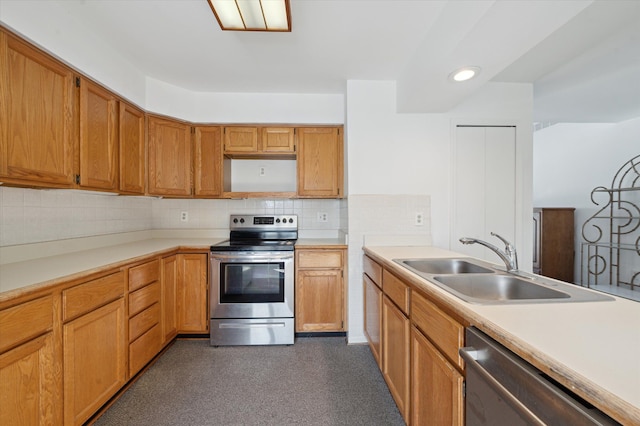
[470, 357]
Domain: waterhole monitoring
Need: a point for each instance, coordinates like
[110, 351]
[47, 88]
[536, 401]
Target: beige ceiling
[582, 56]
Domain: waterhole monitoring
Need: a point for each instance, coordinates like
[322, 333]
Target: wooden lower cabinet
[373, 317]
[319, 290]
[145, 328]
[396, 354]
[191, 296]
[168, 297]
[436, 385]
[319, 301]
[95, 359]
[64, 354]
[28, 389]
[416, 343]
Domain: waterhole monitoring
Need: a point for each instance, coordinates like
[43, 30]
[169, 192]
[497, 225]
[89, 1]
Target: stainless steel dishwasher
[503, 389]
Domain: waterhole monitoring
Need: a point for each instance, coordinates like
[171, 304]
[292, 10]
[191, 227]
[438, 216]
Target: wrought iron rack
[610, 252]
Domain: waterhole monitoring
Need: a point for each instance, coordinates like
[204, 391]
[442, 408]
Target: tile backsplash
[37, 215]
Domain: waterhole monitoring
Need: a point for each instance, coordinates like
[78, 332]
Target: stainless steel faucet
[508, 256]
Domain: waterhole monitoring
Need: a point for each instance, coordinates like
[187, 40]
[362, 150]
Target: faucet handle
[507, 244]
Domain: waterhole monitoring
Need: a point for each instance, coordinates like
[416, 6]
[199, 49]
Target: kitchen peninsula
[581, 345]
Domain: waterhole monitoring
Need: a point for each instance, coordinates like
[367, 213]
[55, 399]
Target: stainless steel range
[251, 286]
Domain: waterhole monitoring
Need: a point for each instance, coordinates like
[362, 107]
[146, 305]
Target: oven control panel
[243, 221]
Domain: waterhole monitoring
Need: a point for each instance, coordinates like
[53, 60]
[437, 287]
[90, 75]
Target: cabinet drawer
[142, 350]
[372, 269]
[144, 321]
[445, 332]
[329, 259]
[143, 298]
[396, 290]
[86, 297]
[141, 275]
[25, 321]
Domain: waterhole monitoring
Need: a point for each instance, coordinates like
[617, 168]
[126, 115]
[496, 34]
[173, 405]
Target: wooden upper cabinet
[169, 157]
[240, 140]
[280, 140]
[208, 161]
[36, 117]
[132, 158]
[320, 162]
[98, 137]
[260, 142]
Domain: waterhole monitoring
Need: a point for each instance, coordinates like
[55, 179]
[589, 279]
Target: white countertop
[593, 347]
[53, 269]
[87, 257]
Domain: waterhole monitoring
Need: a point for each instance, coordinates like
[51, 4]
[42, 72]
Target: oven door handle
[252, 325]
[255, 257]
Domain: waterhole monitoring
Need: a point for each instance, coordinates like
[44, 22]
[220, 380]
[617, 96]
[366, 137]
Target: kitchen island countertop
[593, 348]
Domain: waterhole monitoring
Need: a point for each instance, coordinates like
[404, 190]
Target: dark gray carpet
[317, 381]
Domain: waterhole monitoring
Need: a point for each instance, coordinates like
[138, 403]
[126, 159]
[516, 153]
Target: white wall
[406, 159]
[203, 107]
[570, 159]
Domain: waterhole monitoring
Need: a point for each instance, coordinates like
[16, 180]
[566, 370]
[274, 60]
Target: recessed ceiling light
[464, 74]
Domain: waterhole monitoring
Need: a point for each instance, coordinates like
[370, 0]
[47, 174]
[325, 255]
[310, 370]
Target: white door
[484, 188]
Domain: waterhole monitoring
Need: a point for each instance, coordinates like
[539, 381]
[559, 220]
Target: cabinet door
[36, 117]
[192, 305]
[168, 297]
[132, 144]
[320, 162]
[395, 354]
[95, 354]
[373, 317]
[240, 139]
[169, 157]
[98, 137]
[278, 140]
[436, 387]
[319, 303]
[28, 387]
[208, 161]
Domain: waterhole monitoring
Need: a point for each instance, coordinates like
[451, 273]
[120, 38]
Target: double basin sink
[476, 282]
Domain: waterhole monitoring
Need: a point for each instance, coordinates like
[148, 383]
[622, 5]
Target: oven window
[252, 282]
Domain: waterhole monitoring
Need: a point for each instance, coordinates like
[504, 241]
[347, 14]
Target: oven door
[252, 284]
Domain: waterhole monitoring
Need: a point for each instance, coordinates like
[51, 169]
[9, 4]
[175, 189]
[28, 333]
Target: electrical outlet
[419, 220]
[323, 217]
[262, 171]
[184, 216]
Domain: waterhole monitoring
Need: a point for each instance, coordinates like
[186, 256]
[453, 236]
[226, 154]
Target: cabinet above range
[259, 142]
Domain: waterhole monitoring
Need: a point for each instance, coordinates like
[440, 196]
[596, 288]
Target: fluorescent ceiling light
[464, 74]
[252, 15]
